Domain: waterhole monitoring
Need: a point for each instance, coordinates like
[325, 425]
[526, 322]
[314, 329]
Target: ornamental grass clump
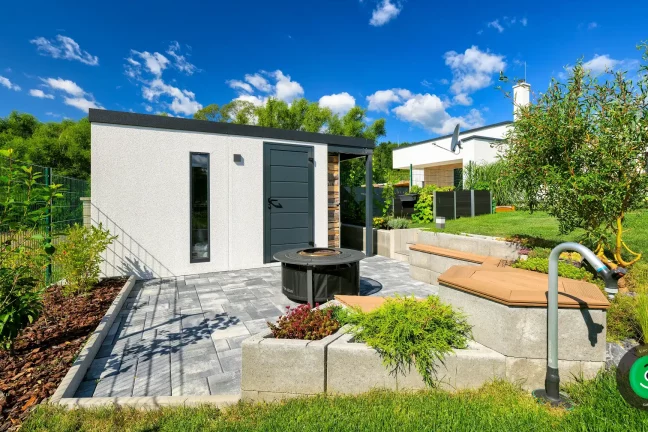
[304, 322]
[406, 331]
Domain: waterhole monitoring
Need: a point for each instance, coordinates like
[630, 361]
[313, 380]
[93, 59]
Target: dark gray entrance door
[288, 199]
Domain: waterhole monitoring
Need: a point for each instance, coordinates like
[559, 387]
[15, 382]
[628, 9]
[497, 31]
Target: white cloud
[148, 108]
[501, 24]
[40, 94]
[240, 85]
[259, 82]
[67, 86]
[51, 114]
[473, 69]
[429, 112]
[339, 103]
[183, 101]
[82, 103]
[496, 25]
[592, 26]
[65, 48]
[179, 60]
[286, 89]
[155, 63]
[462, 99]
[382, 99]
[283, 87]
[79, 98]
[600, 63]
[384, 12]
[254, 100]
[5, 82]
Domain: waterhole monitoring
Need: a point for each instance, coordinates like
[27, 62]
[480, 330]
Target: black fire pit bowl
[333, 271]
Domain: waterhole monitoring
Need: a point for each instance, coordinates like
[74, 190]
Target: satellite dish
[455, 140]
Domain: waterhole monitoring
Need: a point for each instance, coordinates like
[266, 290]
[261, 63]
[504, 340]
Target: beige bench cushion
[517, 287]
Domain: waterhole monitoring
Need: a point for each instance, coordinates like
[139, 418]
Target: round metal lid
[342, 256]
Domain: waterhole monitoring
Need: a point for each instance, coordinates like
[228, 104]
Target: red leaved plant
[304, 322]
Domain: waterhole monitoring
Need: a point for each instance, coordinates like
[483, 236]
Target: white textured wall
[140, 192]
[428, 154]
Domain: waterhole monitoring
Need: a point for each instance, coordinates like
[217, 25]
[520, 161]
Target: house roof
[191, 125]
[463, 133]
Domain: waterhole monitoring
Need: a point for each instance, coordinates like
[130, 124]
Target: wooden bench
[427, 262]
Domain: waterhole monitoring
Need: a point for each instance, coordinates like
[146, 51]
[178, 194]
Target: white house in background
[191, 196]
[432, 162]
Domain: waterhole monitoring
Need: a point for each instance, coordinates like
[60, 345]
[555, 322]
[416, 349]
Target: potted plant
[408, 199]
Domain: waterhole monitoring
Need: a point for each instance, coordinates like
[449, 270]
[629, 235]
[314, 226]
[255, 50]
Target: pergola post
[368, 206]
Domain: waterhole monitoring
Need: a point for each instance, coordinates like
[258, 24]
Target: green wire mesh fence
[64, 212]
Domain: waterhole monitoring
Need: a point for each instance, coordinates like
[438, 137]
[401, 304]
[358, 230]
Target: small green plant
[388, 199]
[380, 222]
[622, 319]
[641, 312]
[25, 202]
[79, 257]
[406, 332]
[398, 223]
[540, 252]
[424, 207]
[304, 322]
[566, 270]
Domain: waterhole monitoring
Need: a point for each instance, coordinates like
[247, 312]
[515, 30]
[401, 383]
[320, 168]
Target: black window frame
[191, 230]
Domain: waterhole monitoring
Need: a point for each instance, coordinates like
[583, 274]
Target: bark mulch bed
[45, 351]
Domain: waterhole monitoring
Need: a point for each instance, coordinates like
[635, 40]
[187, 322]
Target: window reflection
[199, 207]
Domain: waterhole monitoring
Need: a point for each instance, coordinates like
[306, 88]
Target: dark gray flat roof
[191, 125]
[460, 133]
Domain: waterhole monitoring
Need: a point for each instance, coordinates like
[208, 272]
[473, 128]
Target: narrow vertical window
[199, 211]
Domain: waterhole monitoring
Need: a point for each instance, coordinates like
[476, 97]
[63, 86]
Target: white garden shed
[191, 196]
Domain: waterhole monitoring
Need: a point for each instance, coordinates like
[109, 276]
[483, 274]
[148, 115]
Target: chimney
[521, 96]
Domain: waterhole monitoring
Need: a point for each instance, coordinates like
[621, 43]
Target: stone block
[531, 373]
[420, 259]
[284, 365]
[522, 331]
[354, 368]
[421, 274]
[466, 368]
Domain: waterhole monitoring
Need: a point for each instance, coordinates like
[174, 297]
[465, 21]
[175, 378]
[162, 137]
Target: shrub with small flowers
[304, 322]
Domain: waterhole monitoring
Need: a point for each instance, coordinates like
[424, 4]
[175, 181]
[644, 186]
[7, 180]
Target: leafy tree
[211, 112]
[582, 149]
[238, 112]
[64, 146]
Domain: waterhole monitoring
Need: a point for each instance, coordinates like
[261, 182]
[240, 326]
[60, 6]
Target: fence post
[455, 205]
[48, 227]
[472, 202]
[87, 216]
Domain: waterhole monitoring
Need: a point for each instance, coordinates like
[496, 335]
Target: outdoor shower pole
[551, 392]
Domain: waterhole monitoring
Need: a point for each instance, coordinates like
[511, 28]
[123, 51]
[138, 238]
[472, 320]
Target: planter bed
[46, 349]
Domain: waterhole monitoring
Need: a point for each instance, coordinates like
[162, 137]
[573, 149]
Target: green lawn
[540, 229]
[495, 407]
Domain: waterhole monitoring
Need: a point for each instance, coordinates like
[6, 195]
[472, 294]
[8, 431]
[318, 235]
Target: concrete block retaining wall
[390, 243]
[282, 368]
[520, 333]
[466, 368]
[479, 245]
[278, 369]
[427, 267]
[387, 243]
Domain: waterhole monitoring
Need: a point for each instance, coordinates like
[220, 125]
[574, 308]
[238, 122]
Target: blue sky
[422, 65]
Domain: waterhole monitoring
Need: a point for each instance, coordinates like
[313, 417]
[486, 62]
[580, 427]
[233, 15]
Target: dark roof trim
[460, 133]
[183, 124]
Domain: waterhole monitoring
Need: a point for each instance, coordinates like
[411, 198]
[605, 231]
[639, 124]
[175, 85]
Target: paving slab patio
[182, 336]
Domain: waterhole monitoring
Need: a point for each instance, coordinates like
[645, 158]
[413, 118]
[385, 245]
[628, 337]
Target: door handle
[273, 203]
